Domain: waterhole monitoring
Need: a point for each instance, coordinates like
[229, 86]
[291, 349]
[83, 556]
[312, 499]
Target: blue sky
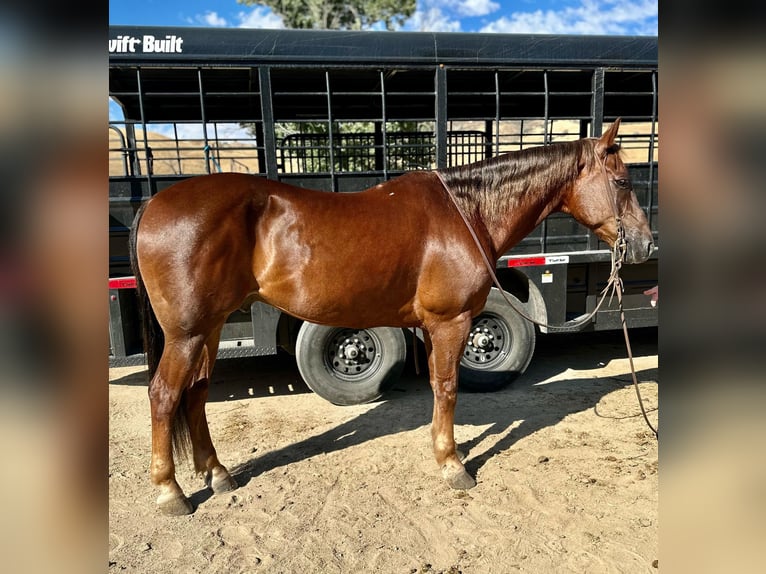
[620, 17]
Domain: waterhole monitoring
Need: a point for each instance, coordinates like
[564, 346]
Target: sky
[619, 17]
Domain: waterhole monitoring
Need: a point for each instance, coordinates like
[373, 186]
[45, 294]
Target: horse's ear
[606, 141]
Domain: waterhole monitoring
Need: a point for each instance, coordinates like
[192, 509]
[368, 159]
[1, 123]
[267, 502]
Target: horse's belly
[343, 298]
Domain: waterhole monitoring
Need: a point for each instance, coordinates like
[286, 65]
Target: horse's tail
[151, 331]
[154, 342]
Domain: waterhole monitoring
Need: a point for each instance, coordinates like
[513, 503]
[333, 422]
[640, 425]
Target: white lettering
[170, 44]
[122, 44]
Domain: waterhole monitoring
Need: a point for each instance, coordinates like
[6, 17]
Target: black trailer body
[342, 111]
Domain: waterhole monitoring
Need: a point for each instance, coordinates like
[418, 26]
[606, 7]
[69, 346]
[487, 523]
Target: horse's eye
[623, 183]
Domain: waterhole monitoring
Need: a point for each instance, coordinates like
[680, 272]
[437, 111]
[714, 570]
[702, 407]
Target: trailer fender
[528, 294]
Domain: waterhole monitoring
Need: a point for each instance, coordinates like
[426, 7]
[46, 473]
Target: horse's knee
[445, 401]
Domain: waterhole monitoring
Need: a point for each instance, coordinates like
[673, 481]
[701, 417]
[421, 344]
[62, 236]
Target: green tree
[339, 14]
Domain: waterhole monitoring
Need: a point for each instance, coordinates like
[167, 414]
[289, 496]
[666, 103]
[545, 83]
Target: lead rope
[632, 367]
[613, 285]
[618, 256]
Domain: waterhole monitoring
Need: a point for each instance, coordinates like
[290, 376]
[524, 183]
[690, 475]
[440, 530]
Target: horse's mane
[490, 187]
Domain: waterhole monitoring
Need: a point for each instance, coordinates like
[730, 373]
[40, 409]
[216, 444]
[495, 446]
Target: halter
[620, 247]
[613, 286]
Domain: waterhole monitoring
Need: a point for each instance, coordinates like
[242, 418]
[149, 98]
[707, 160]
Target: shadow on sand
[409, 404]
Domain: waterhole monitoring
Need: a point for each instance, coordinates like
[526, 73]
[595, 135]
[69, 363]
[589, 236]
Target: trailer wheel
[500, 346]
[350, 366]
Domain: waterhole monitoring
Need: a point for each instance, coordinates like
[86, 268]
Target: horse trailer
[344, 111]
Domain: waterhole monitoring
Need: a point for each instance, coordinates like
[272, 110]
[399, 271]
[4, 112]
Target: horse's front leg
[445, 342]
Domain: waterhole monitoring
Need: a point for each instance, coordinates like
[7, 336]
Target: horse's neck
[514, 215]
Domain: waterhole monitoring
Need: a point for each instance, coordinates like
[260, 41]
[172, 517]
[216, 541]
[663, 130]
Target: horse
[211, 244]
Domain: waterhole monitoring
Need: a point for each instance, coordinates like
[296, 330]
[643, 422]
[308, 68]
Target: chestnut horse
[211, 244]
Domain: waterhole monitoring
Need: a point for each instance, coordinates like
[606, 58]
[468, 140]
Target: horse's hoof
[220, 482]
[459, 480]
[174, 505]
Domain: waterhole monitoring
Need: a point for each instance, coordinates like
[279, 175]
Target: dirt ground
[567, 473]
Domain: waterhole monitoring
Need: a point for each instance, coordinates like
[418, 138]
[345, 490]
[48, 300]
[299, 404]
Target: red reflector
[122, 283]
[526, 261]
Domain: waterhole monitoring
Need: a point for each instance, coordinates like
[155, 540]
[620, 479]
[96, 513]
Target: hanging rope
[210, 157]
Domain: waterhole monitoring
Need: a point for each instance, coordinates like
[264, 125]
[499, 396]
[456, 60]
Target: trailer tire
[499, 348]
[350, 366]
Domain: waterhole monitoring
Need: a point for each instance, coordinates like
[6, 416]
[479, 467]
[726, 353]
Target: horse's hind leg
[445, 342]
[179, 363]
[205, 457]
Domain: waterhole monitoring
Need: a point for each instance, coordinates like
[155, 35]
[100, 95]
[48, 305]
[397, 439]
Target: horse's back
[208, 197]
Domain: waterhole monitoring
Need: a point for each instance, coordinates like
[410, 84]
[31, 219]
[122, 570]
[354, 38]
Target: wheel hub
[488, 342]
[351, 352]
[482, 339]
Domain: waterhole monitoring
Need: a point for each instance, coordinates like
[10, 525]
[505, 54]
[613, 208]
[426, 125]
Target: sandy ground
[567, 473]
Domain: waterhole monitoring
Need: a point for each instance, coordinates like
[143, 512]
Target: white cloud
[473, 7]
[260, 17]
[431, 20]
[590, 17]
[443, 15]
[213, 19]
[208, 19]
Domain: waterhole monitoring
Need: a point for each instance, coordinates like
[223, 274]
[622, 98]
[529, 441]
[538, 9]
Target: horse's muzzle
[639, 249]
